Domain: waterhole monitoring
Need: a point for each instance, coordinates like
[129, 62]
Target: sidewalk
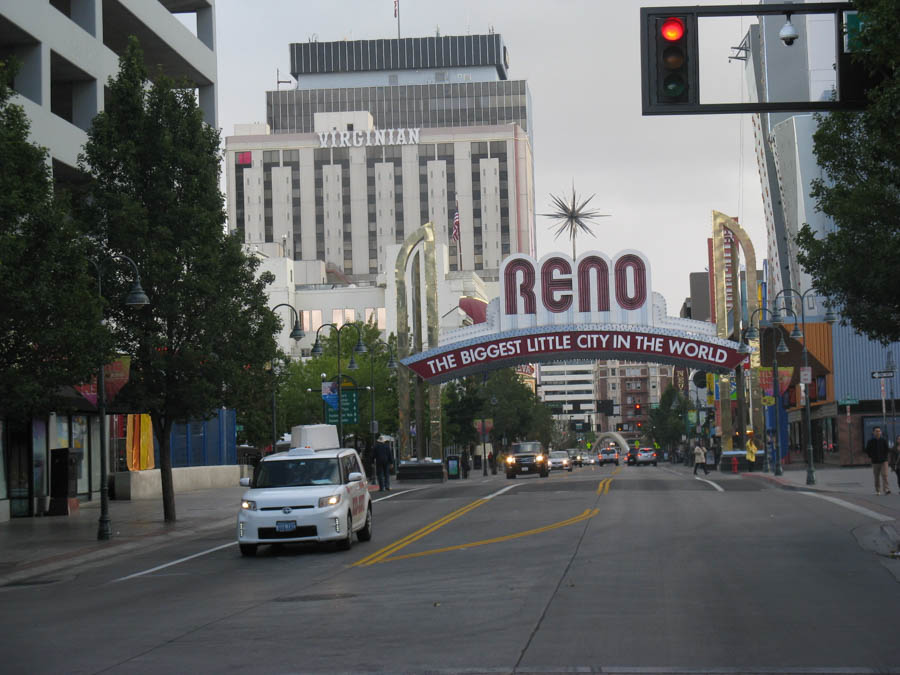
[34, 547]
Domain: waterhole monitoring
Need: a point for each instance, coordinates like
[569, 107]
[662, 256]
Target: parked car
[559, 460]
[646, 456]
[609, 456]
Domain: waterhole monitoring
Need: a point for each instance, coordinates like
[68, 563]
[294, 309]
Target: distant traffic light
[669, 58]
[637, 408]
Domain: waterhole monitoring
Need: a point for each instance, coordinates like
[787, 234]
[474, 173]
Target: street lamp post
[360, 348]
[391, 364]
[781, 348]
[776, 319]
[296, 335]
[135, 298]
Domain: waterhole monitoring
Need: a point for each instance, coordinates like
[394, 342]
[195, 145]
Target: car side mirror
[354, 477]
[245, 481]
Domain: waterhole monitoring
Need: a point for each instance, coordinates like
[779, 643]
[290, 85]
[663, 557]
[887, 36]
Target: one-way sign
[879, 374]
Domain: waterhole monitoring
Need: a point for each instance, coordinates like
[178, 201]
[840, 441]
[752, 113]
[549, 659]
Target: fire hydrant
[734, 465]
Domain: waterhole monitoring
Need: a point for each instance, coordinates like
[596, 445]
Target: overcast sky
[659, 178]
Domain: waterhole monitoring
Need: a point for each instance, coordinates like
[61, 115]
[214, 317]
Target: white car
[305, 495]
[559, 460]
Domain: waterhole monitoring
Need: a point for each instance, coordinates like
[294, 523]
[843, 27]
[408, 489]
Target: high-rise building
[634, 389]
[68, 49]
[379, 137]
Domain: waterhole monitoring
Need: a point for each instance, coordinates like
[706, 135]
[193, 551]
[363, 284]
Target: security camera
[788, 33]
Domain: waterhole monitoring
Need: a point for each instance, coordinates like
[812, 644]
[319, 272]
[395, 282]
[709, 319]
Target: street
[605, 569]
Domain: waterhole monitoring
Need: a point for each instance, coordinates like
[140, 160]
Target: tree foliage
[50, 329]
[154, 196]
[859, 154]
[666, 423]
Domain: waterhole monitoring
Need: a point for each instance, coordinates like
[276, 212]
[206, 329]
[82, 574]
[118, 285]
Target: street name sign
[848, 401]
[880, 374]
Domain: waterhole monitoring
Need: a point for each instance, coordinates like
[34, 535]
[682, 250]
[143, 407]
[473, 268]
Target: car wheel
[617, 462]
[345, 543]
[248, 550]
[365, 534]
[570, 469]
[545, 474]
[510, 475]
[654, 463]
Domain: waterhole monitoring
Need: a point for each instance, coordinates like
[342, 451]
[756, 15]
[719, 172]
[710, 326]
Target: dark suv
[632, 456]
[527, 457]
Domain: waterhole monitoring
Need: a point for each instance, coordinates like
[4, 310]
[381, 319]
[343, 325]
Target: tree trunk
[162, 427]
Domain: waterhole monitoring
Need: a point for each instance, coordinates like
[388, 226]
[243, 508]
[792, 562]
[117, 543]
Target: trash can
[453, 467]
[476, 462]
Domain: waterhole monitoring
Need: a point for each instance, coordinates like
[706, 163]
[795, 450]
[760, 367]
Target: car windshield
[530, 446]
[298, 472]
[609, 451]
[559, 454]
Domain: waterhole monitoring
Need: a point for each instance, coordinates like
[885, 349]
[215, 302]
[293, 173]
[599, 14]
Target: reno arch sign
[594, 307]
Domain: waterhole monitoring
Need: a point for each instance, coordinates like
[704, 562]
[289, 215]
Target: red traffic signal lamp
[669, 69]
[637, 407]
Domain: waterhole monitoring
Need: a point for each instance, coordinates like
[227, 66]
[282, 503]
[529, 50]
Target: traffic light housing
[670, 71]
[637, 408]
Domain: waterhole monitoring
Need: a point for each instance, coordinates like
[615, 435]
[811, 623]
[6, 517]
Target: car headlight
[248, 505]
[510, 460]
[329, 501]
[539, 458]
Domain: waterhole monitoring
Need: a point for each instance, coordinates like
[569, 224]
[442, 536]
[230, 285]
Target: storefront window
[95, 451]
[79, 451]
[39, 456]
[60, 425]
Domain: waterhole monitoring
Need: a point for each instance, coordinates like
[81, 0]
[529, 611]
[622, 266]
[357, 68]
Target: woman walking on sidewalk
[700, 459]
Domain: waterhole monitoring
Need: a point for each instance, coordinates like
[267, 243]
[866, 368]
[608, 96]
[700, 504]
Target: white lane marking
[502, 490]
[395, 494]
[174, 562]
[706, 480]
[848, 505]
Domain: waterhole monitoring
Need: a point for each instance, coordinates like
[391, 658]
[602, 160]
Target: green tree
[50, 329]
[461, 408]
[859, 154]
[154, 196]
[665, 424]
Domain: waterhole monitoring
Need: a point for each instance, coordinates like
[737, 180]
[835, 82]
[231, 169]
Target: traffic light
[670, 71]
[637, 408]
[620, 427]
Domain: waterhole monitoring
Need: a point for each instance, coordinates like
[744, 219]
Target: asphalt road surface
[612, 569]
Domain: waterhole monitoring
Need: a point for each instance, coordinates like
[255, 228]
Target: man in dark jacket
[384, 460]
[878, 451]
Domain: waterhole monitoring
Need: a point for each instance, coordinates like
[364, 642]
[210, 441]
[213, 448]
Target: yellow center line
[418, 534]
[588, 513]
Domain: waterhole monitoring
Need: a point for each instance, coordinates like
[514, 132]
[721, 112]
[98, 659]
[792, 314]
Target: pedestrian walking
[700, 459]
[878, 451]
[465, 464]
[895, 459]
[384, 462]
[750, 454]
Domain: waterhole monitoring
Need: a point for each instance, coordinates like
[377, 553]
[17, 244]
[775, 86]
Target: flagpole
[459, 235]
[397, 14]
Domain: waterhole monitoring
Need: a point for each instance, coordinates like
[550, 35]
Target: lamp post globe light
[360, 348]
[135, 298]
[829, 318]
[297, 334]
[752, 333]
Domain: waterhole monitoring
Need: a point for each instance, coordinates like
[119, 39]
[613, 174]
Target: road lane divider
[585, 515]
[603, 487]
[379, 555]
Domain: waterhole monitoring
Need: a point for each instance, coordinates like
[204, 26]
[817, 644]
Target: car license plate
[285, 525]
[526, 468]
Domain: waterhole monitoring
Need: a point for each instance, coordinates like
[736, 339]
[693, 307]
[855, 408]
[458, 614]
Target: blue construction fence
[209, 442]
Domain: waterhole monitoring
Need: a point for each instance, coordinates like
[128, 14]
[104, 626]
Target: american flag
[455, 235]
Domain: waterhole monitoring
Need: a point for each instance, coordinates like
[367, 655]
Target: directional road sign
[848, 401]
[880, 374]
